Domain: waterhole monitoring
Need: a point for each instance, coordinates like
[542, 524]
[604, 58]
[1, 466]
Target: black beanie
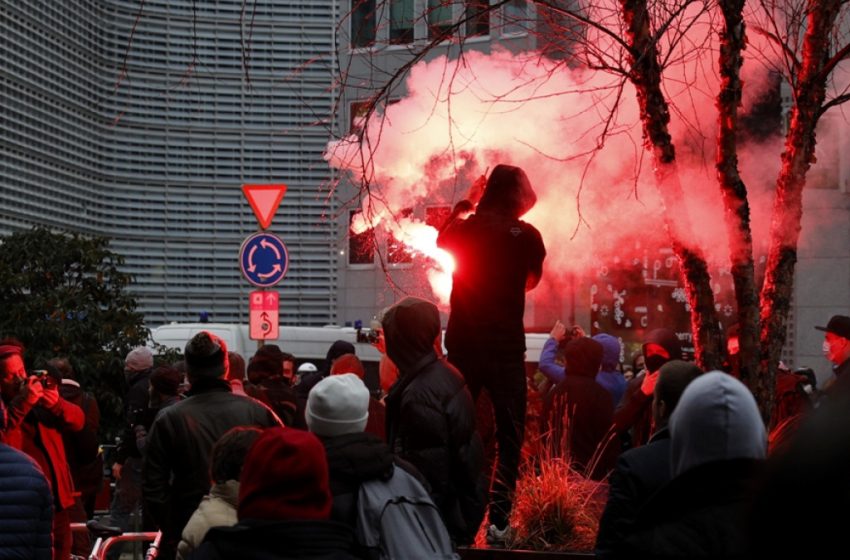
[204, 355]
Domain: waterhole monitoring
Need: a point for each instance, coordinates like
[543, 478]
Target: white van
[305, 343]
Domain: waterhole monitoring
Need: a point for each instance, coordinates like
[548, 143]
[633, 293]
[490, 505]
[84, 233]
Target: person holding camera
[37, 416]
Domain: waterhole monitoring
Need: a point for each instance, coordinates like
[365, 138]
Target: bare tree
[807, 40]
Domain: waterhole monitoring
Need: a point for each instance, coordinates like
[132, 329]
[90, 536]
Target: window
[515, 17]
[439, 19]
[401, 22]
[361, 246]
[357, 116]
[477, 18]
[362, 23]
[397, 252]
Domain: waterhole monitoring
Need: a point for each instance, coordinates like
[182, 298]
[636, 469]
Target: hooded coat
[431, 417]
[581, 408]
[497, 258]
[609, 375]
[634, 411]
[717, 446]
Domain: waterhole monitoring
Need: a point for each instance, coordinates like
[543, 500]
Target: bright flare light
[422, 238]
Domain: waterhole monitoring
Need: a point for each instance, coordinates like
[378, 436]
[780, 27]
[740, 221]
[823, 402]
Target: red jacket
[23, 421]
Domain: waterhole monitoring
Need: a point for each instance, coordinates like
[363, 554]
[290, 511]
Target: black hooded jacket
[431, 417]
[582, 408]
[634, 411]
[497, 258]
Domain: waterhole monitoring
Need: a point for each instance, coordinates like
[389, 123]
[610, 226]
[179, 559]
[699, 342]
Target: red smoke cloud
[577, 136]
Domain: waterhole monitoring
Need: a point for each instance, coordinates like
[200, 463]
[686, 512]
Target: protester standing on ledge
[498, 257]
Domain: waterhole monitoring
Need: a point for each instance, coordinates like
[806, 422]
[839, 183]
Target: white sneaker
[498, 537]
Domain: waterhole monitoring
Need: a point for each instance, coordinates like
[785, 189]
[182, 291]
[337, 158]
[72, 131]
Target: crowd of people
[270, 460]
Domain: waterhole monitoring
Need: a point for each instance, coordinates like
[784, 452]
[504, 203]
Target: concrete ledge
[502, 554]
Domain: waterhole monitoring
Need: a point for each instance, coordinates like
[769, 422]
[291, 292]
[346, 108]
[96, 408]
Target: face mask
[826, 348]
[654, 363]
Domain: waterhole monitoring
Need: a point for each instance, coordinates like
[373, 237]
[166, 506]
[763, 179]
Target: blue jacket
[612, 381]
[26, 508]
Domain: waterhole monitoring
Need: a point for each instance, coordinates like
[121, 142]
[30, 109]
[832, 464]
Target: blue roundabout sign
[263, 259]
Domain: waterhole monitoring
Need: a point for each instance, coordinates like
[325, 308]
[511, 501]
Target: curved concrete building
[142, 125]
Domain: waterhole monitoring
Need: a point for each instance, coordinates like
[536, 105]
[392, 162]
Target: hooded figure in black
[580, 408]
[498, 257]
[634, 412]
[431, 417]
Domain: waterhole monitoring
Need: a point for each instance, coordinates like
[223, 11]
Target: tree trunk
[733, 189]
[645, 74]
[797, 157]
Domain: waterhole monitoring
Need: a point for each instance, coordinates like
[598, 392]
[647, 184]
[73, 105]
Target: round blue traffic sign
[263, 259]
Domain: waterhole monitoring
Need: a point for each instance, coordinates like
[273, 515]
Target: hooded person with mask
[634, 411]
[431, 417]
[718, 443]
[580, 406]
[498, 257]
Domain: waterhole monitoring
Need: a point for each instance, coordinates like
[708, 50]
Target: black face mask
[654, 362]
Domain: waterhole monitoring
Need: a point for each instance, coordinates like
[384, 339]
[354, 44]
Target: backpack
[397, 519]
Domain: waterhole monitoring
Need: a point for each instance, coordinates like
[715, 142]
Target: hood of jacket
[582, 357]
[410, 328]
[717, 419]
[610, 351]
[508, 192]
[668, 340]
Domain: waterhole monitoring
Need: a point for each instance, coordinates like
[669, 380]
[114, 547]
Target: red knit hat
[285, 477]
[348, 363]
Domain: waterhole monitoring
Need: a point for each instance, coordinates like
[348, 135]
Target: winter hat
[166, 380]
[205, 354]
[285, 477]
[337, 349]
[582, 357]
[338, 405]
[307, 367]
[139, 359]
[610, 351]
[348, 363]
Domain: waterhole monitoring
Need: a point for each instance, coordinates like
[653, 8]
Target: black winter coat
[177, 457]
[639, 473]
[278, 540]
[701, 513]
[352, 460]
[431, 424]
[583, 408]
[26, 507]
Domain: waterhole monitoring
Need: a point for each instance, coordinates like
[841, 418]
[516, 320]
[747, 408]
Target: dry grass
[555, 508]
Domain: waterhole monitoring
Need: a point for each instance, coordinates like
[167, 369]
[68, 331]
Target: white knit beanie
[337, 405]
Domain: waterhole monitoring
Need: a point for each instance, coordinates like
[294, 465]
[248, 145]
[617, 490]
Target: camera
[46, 380]
[369, 336]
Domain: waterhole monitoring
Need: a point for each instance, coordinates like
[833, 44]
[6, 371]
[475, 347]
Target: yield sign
[264, 200]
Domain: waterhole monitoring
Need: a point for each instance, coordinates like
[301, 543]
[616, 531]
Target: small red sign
[264, 312]
[264, 201]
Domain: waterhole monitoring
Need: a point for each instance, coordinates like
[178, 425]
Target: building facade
[140, 122]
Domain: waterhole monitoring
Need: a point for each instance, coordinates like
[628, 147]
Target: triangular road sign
[264, 200]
